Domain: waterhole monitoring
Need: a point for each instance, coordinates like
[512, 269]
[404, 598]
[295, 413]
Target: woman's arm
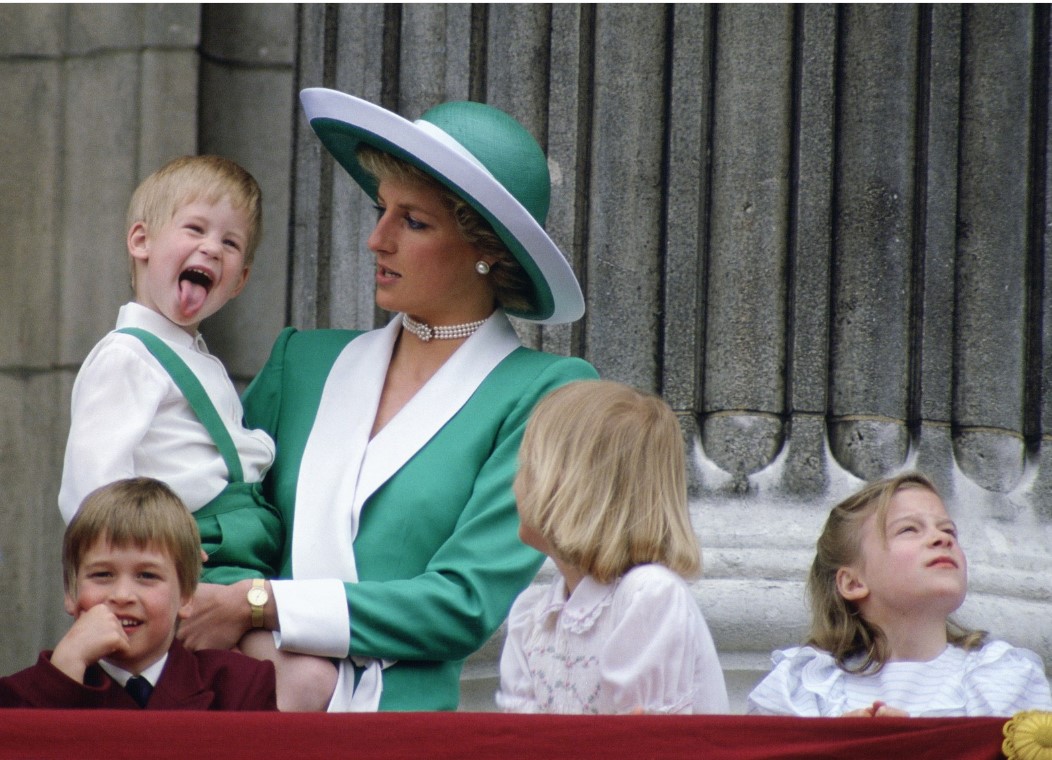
[438, 553]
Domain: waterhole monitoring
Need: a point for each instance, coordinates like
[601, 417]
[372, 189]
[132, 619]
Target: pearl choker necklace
[426, 332]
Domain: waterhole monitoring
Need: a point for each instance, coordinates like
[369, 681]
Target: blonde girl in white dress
[601, 489]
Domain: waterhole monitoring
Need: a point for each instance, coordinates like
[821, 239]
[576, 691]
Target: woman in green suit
[397, 447]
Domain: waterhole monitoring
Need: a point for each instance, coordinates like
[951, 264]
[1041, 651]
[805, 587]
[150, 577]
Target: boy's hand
[94, 634]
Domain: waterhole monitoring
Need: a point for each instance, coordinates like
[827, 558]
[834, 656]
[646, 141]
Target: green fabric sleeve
[438, 554]
[460, 587]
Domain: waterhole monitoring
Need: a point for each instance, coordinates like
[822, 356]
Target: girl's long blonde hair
[602, 477]
[836, 624]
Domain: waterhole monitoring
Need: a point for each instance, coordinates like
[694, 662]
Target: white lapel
[322, 534]
[434, 404]
[342, 468]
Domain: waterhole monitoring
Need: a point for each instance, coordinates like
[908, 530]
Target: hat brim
[342, 122]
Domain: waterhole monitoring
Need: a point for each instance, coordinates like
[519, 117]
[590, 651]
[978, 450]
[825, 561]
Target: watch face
[257, 597]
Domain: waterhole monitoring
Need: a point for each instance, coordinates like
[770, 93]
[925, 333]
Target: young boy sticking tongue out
[150, 400]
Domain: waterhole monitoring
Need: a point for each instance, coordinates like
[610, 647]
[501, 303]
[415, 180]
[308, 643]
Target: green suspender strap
[241, 533]
[196, 396]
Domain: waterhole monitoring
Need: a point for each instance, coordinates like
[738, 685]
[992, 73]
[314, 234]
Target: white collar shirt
[129, 419]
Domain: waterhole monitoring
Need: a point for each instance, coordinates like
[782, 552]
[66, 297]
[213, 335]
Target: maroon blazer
[209, 679]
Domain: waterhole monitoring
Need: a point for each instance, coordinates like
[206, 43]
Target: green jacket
[438, 557]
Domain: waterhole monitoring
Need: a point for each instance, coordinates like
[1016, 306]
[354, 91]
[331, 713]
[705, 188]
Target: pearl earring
[482, 267]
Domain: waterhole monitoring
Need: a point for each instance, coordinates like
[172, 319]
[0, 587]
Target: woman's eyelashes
[410, 221]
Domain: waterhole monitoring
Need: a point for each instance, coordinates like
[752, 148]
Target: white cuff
[312, 617]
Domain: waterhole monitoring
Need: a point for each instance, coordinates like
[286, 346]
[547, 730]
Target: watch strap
[257, 610]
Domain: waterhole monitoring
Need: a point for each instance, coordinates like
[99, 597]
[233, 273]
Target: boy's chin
[186, 322]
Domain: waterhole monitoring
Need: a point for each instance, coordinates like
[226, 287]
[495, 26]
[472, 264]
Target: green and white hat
[480, 153]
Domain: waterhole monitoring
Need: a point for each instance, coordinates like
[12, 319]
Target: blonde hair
[602, 477]
[837, 626]
[511, 285]
[134, 512]
[187, 179]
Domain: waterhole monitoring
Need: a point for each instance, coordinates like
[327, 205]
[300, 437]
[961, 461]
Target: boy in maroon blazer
[131, 559]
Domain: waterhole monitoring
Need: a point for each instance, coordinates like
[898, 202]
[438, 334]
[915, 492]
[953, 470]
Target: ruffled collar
[808, 655]
[831, 687]
[579, 612]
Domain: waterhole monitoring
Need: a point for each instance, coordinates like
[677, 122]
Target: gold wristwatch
[257, 600]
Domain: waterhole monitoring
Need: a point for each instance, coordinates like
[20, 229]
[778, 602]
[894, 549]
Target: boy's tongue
[191, 296]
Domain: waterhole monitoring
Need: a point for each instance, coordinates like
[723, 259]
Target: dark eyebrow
[413, 208]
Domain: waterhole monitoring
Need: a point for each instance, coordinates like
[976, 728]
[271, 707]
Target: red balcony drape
[435, 736]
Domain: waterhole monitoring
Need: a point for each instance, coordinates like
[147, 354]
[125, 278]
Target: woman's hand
[219, 617]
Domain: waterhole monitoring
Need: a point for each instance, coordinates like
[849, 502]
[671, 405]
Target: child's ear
[851, 584]
[137, 241]
[186, 608]
[70, 605]
[245, 272]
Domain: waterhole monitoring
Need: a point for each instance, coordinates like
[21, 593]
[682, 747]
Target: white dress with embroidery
[639, 642]
[995, 680]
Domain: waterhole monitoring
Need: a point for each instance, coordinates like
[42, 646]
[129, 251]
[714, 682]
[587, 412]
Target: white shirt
[639, 642]
[129, 419]
[996, 680]
[121, 676]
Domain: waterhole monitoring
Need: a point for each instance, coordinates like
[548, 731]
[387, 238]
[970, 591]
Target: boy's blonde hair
[836, 624]
[511, 285]
[137, 512]
[188, 179]
[602, 477]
